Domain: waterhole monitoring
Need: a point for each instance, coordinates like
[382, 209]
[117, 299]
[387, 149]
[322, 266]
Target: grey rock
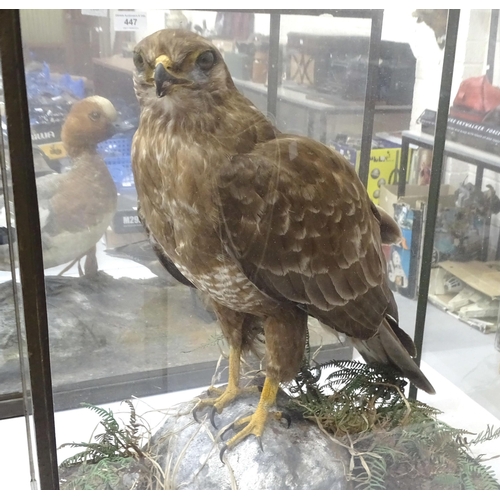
[299, 457]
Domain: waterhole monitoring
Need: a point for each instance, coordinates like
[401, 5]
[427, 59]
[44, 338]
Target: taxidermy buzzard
[273, 227]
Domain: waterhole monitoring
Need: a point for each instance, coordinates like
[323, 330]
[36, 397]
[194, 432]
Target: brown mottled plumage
[272, 226]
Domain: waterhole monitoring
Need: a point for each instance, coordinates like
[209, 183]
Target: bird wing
[161, 255]
[298, 221]
[78, 200]
[47, 185]
[46, 188]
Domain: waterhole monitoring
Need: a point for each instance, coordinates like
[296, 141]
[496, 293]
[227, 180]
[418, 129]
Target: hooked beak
[122, 124]
[163, 80]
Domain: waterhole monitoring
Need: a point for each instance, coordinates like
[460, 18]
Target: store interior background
[454, 352]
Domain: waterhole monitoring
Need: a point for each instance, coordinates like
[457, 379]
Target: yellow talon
[212, 390]
[257, 421]
[253, 424]
[231, 391]
[226, 396]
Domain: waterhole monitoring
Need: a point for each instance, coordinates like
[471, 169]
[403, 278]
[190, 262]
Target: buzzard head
[178, 66]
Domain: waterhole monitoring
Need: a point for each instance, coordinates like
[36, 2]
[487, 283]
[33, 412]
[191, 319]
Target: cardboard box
[125, 227]
[481, 276]
[403, 261]
[47, 137]
[415, 196]
[469, 291]
[384, 164]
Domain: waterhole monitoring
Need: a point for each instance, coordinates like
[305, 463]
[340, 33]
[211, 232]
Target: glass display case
[91, 315]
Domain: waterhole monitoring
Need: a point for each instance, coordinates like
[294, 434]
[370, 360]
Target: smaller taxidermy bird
[77, 206]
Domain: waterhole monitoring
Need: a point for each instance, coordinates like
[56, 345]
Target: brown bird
[77, 206]
[273, 227]
[436, 19]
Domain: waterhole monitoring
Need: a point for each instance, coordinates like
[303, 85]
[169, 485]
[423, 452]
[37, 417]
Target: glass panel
[325, 65]
[464, 289]
[181, 344]
[121, 326]
[111, 331]
[301, 107]
[14, 373]
[461, 313]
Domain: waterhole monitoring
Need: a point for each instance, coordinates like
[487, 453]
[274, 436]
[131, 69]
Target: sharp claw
[222, 451]
[212, 417]
[288, 419]
[229, 427]
[194, 415]
[260, 443]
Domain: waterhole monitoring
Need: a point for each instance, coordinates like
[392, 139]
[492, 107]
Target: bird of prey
[77, 206]
[273, 227]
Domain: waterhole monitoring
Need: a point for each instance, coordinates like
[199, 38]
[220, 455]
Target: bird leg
[68, 267]
[239, 329]
[90, 267]
[286, 333]
[231, 391]
[255, 423]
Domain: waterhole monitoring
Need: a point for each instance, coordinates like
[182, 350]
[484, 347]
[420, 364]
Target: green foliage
[115, 442]
[395, 443]
[106, 474]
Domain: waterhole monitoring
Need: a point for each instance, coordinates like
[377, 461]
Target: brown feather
[271, 225]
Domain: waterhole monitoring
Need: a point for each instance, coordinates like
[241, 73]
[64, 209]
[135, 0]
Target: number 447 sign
[129, 21]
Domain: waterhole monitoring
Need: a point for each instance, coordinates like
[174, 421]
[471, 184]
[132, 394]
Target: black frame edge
[29, 245]
[438, 156]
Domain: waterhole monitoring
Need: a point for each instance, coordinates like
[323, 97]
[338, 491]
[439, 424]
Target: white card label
[132, 21]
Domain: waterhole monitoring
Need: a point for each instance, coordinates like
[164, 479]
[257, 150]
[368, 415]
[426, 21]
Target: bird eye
[206, 60]
[138, 60]
[95, 115]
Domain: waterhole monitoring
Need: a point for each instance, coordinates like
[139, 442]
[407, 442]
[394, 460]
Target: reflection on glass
[121, 325]
[115, 315]
[464, 284]
[14, 372]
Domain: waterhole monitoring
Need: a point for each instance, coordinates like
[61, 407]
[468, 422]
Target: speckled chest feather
[176, 186]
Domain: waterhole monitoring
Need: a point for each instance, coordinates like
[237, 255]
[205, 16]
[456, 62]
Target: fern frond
[473, 473]
[113, 443]
[489, 434]
[399, 444]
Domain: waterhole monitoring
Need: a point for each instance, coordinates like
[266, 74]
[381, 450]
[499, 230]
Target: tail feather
[390, 231]
[392, 346]
[403, 337]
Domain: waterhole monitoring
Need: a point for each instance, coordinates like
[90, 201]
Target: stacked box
[384, 164]
[403, 261]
